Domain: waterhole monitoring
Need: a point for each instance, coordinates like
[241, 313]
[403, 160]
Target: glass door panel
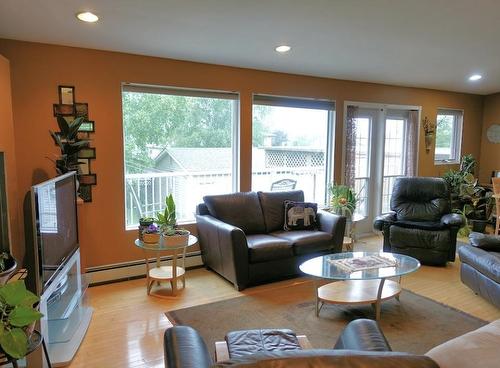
[394, 150]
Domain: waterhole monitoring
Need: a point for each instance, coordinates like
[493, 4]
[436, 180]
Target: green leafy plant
[464, 231]
[167, 220]
[343, 199]
[17, 315]
[468, 164]
[69, 143]
[3, 257]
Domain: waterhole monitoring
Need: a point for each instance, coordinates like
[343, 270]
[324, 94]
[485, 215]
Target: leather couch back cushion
[238, 209]
[273, 207]
[420, 199]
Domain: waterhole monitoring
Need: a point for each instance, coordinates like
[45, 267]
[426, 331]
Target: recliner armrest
[184, 348]
[383, 220]
[452, 219]
[363, 335]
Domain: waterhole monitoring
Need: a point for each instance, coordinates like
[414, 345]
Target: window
[292, 143]
[177, 141]
[448, 136]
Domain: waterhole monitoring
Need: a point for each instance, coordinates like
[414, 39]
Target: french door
[380, 150]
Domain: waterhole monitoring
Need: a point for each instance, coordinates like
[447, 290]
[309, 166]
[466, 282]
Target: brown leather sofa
[242, 238]
[361, 344]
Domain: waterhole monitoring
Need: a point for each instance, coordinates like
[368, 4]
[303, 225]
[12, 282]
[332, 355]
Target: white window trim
[457, 136]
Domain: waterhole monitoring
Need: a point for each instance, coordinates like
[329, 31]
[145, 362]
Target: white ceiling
[422, 43]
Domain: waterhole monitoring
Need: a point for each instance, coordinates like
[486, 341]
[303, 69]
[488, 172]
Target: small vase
[429, 137]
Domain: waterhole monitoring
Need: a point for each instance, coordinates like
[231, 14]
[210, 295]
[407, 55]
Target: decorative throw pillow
[300, 215]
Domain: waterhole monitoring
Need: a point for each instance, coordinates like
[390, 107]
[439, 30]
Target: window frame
[233, 96]
[308, 103]
[457, 137]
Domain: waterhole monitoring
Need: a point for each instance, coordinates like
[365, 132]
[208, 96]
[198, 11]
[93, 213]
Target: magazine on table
[363, 263]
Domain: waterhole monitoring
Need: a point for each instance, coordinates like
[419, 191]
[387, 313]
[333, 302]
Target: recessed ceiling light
[283, 48]
[87, 17]
[475, 77]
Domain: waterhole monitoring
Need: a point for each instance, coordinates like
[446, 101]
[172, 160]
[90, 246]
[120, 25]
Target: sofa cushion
[402, 237]
[300, 215]
[238, 209]
[264, 248]
[273, 209]
[478, 348]
[487, 263]
[306, 241]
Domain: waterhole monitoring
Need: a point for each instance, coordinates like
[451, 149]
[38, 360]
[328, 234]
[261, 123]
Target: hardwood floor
[127, 326]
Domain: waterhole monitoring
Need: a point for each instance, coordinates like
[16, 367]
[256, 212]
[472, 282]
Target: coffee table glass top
[321, 267]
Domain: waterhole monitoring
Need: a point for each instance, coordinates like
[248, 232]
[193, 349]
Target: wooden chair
[496, 195]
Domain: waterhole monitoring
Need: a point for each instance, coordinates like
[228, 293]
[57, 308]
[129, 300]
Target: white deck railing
[145, 193]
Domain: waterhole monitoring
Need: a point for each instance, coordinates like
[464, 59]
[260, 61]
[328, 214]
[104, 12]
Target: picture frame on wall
[87, 152]
[82, 110]
[87, 127]
[85, 192]
[84, 166]
[63, 110]
[66, 95]
[88, 179]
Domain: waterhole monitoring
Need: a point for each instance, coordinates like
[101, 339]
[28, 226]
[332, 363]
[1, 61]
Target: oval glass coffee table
[368, 286]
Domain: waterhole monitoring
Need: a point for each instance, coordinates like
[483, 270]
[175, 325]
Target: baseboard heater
[133, 269]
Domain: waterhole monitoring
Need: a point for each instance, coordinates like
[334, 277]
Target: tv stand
[66, 313]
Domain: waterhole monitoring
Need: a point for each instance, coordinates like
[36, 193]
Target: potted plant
[8, 265]
[18, 317]
[69, 143]
[144, 223]
[343, 200]
[151, 234]
[171, 234]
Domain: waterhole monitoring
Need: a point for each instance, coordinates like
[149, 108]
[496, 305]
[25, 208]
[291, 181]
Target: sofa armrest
[384, 220]
[184, 348]
[363, 335]
[332, 224]
[486, 242]
[224, 248]
[452, 220]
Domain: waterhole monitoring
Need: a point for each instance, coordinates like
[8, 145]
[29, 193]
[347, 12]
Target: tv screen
[56, 224]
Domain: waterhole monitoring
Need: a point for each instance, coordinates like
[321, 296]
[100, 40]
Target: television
[56, 225]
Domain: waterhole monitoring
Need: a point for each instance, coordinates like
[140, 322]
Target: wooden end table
[160, 273]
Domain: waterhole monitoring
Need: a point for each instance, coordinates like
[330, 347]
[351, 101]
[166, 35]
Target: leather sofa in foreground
[480, 268]
[242, 238]
[361, 345]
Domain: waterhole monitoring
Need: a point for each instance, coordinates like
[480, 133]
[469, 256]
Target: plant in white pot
[171, 235]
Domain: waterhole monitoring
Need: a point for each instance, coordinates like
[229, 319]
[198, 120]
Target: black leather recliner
[421, 224]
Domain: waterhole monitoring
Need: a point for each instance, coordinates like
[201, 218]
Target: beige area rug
[415, 324]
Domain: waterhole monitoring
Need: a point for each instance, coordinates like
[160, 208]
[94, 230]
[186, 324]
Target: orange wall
[37, 70]
[7, 146]
[490, 152]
